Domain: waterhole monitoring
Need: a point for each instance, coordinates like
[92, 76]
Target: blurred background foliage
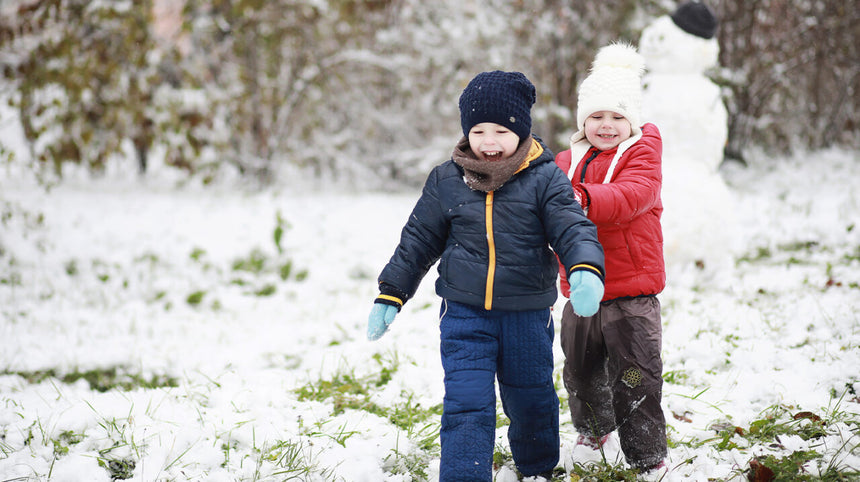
[367, 89]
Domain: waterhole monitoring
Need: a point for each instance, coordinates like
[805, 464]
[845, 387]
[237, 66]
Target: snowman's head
[669, 49]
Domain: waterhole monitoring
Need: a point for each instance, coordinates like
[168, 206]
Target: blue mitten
[379, 320]
[586, 291]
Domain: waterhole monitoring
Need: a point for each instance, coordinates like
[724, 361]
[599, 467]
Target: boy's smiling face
[606, 129]
[492, 142]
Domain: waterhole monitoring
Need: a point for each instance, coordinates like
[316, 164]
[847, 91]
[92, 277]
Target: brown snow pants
[613, 375]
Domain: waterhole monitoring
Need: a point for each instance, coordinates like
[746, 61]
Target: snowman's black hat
[696, 18]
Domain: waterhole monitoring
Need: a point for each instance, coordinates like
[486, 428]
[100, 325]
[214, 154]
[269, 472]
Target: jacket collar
[490, 176]
[579, 145]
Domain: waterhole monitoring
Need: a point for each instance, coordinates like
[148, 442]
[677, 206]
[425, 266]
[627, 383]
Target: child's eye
[618, 117]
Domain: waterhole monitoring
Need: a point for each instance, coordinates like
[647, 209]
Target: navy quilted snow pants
[516, 346]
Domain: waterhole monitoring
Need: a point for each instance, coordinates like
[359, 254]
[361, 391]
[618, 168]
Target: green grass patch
[295, 460]
[761, 253]
[344, 390]
[65, 440]
[101, 380]
[602, 472]
[676, 377]
[119, 469]
[195, 298]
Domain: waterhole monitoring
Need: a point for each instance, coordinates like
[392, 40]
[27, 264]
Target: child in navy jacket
[492, 216]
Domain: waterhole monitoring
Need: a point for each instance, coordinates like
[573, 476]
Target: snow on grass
[259, 365]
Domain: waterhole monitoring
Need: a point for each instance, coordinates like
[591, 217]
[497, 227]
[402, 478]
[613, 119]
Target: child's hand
[586, 291]
[579, 194]
[582, 197]
[381, 317]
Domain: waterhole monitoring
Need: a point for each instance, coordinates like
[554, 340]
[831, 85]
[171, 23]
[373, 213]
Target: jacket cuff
[389, 295]
[586, 267]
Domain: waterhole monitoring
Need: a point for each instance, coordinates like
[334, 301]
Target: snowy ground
[143, 278]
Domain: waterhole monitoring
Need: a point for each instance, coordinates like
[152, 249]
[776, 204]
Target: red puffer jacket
[626, 207]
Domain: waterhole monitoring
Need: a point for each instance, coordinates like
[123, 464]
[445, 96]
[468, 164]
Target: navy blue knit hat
[504, 98]
[696, 18]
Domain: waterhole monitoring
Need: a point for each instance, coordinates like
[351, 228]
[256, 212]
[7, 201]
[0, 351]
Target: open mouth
[492, 155]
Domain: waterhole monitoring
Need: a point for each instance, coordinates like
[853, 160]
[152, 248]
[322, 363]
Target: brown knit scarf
[484, 175]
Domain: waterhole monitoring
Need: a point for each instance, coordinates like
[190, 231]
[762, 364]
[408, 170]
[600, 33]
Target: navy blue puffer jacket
[494, 247]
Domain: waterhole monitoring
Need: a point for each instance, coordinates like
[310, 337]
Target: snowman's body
[699, 223]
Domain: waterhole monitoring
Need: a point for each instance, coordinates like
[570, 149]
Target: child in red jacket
[613, 370]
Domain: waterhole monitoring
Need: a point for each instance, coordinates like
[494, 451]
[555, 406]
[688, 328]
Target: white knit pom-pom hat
[614, 84]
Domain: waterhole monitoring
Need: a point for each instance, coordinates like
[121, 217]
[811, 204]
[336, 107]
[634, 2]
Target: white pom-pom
[619, 56]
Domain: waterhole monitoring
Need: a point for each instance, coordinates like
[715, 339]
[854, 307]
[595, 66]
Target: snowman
[699, 226]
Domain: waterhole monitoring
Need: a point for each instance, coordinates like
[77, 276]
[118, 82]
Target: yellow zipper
[535, 150]
[491, 244]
